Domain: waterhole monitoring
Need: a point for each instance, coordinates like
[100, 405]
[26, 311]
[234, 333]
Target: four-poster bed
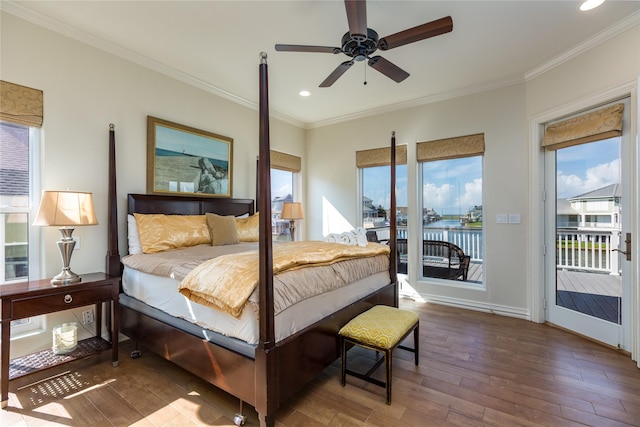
[267, 373]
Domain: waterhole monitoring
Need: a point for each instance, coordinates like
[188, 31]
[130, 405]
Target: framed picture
[184, 160]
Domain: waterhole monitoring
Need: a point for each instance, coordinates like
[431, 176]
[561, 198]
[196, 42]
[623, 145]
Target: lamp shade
[292, 211]
[66, 208]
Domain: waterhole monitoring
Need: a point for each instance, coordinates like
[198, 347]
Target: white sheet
[162, 293]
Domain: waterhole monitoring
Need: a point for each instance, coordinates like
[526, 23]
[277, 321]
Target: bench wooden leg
[416, 340]
[343, 363]
[389, 363]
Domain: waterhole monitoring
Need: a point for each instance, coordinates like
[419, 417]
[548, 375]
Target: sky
[281, 183]
[450, 186]
[587, 167]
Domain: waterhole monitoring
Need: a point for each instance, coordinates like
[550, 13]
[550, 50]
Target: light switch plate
[501, 219]
[514, 218]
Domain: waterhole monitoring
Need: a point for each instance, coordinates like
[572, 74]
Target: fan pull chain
[365, 73]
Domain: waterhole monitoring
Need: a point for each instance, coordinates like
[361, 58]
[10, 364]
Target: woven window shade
[380, 157]
[284, 161]
[589, 127]
[451, 148]
[20, 104]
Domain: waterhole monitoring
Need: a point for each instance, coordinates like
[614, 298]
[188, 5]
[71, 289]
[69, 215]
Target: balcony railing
[578, 250]
[470, 240]
[588, 250]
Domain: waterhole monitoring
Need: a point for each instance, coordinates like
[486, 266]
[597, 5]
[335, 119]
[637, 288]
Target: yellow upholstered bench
[381, 328]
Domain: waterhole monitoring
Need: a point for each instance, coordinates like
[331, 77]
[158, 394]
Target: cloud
[438, 197]
[570, 185]
[448, 198]
[282, 191]
[472, 194]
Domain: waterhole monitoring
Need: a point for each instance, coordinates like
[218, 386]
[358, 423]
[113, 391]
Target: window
[281, 192]
[19, 193]
[16, 200]
[376, 202]
[374, 168]
[452, 208]
[285, 170]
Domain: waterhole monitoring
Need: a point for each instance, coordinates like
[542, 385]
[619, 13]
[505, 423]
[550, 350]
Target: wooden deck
[594, 294]
[475, 272]
[590, 293]
[572, 281]
[590, 283]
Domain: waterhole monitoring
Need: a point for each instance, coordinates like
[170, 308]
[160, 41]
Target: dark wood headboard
[188, 205]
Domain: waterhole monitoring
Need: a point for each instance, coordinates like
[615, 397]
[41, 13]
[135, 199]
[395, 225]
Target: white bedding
[162, 293]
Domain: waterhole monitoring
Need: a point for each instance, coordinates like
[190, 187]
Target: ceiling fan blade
[388, 68]
[306, 48]
[421, 32]
[357, 17]
[335, 75]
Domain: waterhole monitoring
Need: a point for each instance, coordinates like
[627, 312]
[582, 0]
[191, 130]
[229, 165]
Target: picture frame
[182, 160]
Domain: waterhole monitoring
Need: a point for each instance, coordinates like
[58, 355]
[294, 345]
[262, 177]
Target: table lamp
[292, 211]
[66, 209]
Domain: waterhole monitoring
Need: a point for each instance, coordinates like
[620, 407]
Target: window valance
[594, 126]
[284, 161]
[451, 148]
[380, 157]
[20, 104]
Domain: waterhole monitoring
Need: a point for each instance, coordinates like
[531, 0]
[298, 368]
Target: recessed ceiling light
[590, 4]
[305, 93]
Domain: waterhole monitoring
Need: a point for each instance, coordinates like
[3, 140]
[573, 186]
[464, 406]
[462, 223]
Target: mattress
[162, 293]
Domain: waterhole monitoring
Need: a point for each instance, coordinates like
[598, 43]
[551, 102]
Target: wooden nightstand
[33, 298]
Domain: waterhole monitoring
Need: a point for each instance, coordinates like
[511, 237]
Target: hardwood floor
[475, 369]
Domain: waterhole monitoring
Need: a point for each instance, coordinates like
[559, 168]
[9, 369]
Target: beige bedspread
[177, 263]
[226, 282]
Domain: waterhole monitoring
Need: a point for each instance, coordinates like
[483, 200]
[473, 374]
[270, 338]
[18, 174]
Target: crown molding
[608, 33]
[417, 102]
[23, 12]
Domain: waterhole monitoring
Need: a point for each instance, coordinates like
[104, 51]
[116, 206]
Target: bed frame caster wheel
[239, 419]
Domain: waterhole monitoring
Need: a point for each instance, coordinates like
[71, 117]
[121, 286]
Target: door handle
[627, 252]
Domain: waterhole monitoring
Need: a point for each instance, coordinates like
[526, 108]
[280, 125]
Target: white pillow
[135, 246]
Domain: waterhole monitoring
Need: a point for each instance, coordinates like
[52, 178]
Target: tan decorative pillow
[248, 228]
[159, 232]
[222, 229]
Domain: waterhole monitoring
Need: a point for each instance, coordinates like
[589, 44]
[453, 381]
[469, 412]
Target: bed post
[113, 256]
[393, 264]
[265, 358]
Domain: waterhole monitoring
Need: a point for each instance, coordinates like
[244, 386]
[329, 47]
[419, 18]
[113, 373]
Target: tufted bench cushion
[381, 326]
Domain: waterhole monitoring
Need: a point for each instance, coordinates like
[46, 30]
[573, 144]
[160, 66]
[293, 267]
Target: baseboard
[501, 310]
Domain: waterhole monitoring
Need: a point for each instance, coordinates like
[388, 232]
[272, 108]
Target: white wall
[500, 115]
[85, 89]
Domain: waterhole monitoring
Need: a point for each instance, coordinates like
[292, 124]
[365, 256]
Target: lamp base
[292, 229]
[66, 245]
[65, 277]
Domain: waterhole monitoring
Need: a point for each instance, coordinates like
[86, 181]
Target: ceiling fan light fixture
[590, 4]
[361, 42]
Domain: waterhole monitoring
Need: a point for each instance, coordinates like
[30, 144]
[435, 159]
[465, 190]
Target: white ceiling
[215, 45]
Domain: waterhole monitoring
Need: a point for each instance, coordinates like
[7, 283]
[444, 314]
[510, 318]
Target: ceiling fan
[361, 42]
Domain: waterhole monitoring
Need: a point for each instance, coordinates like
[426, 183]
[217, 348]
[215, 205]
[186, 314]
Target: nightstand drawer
[66, 299]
